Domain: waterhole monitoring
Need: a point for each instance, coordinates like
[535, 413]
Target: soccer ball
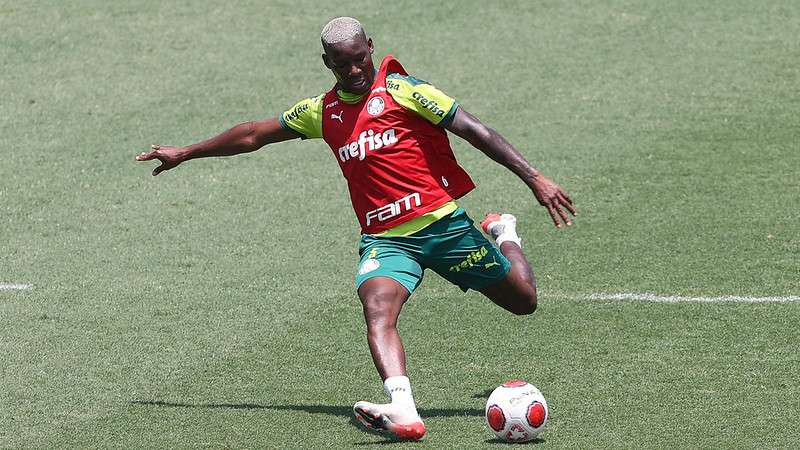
[516, 411]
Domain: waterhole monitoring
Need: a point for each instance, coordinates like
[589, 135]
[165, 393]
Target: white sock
[509, 237]
[399, 391]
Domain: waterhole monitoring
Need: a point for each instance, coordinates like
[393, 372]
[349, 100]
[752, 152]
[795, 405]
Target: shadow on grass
[484, 394]
[535, 441]
[332, 410]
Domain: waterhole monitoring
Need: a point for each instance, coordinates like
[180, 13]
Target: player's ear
[326, 61]
[369, 44]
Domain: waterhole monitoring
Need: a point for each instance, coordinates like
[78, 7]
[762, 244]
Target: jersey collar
[349, 97]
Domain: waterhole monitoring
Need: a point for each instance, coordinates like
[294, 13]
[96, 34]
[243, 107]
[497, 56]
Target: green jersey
[305, 117]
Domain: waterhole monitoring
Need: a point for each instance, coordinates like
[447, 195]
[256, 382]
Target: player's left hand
[551, 196]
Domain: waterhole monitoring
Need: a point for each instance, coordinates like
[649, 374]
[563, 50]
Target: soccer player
[387, 132]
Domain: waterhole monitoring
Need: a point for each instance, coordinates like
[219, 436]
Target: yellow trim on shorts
[419, 223]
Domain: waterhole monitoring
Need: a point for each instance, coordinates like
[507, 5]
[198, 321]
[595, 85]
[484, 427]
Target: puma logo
[491, 264]
[338, 117]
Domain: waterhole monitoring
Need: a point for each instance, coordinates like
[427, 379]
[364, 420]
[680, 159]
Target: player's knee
[525, 296]
[381, 306]
[526, 302]
[375, 304]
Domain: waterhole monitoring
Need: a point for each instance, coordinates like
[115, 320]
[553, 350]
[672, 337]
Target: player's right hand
[170, 157]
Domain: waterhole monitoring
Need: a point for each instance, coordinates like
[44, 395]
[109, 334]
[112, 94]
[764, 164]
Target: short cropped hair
[341, 29]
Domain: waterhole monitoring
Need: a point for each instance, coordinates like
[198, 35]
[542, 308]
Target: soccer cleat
[494, 224]
[490, 219]
[390, 418]
[501, 227]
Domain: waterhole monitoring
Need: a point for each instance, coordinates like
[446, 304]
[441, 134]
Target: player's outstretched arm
[548, 193]
[243, 138]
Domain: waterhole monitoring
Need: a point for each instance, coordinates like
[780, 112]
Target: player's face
[351, 64]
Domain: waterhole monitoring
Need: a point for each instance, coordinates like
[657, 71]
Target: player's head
[348, 53]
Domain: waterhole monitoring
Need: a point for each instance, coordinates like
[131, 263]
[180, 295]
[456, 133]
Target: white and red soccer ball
[516, 411]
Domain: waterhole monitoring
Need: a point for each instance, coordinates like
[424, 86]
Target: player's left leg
[517, 291]
[465, 257]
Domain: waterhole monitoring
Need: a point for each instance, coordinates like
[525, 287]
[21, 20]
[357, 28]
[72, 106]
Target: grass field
[213, 306]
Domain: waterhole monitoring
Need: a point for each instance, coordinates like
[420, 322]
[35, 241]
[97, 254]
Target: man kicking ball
[388, 132]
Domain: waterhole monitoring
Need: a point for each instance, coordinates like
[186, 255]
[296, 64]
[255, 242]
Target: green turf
[181, 311]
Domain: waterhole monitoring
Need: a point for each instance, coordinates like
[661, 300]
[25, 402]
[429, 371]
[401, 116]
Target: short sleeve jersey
[433, 105]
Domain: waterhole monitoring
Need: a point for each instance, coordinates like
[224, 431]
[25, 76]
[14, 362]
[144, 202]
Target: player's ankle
[398, 388]
[503, 228]
[509, 237]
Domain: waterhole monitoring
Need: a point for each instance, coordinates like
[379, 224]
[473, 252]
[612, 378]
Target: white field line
[645, 297]
[14, 287]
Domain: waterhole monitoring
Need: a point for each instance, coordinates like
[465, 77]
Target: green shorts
[451, 247]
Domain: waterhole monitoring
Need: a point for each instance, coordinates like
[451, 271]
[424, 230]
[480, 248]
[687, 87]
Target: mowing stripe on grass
[645, 297]
[14, 287]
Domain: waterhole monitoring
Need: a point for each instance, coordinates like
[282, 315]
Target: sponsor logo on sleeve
[296, 112]
[430, 105]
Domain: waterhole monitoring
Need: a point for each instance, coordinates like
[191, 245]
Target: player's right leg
[387, 276]
[517, 291]
[382, 299]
